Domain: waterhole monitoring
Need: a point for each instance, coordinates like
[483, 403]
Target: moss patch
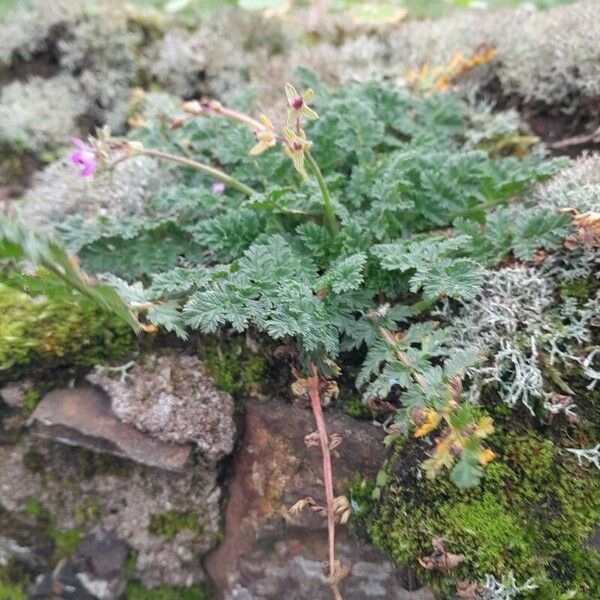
[234, 368]
[169, 524]
[13, 582]
[531, 514]
[41, 333]
[65, 540]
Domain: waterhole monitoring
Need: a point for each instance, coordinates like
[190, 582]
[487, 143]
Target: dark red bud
[298, 103]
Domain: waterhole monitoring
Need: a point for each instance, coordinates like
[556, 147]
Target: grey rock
[292, 567]
[82, 417]
[124, 497]
[13, 394]
[173, 399]
[97, 571]
[265, 553]
[23, 542]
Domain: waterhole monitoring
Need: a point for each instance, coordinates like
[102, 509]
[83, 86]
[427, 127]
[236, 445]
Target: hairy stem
[329, 212]
[241, 117]
[210, 171]
[215, 108]
[315, 402]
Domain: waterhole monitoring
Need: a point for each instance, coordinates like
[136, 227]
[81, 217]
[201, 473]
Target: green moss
[580, 288]
[169, 524]
[136, 591]
[494, 536]
[87, 512]
[34, 508]
[354, 407]
[32, 397]
[531, 514]
[360, 492]
[234, 368]
[40, 333]
[91, 463]
[65, 542]
[13, 582]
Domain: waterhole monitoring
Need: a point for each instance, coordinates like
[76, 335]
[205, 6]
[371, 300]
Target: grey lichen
[587, 456]
[40, 115]
[576, 187]
[101, 51]
[516, 323]
[507, 588]
[59, 192]
[538, 57]
[177, 62]
[29, 28]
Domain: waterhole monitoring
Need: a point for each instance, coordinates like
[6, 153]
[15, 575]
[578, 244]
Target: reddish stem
[315, 401]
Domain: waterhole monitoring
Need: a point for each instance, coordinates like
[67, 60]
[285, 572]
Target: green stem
[210, 171]
[329, 212]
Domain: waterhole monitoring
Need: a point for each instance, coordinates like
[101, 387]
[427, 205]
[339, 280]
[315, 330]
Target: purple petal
[79, 143]
[218, 187]
[87, 170]
[76, 158]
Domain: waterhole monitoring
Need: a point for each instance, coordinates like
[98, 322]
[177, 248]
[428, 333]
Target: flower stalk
[330, 218]
[210, 171]
[315, 401]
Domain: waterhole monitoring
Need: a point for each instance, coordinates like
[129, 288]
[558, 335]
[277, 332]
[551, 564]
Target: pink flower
[84, 156]
[218, 187]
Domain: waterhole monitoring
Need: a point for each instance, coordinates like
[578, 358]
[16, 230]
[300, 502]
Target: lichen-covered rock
[101, 51]
[171, 397]
[97, 571]
[66, 491]
[177, 61]
[40, 115]
[538, 57]
[28, 29]
[59, 192]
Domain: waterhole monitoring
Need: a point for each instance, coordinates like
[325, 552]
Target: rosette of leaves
[419, 209]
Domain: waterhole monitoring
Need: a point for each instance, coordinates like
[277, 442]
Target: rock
[13, 394]
[290, 565]
[97, 571]
[23, 542]
[82, 417]
[79, 490]
[267, 555]
[173, 399]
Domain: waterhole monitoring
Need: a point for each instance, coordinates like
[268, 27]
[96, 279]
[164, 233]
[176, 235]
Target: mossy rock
[136, 591]
[531, 514]
[169, 524]
[41, 332]
[233, 367]
[13, 582]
